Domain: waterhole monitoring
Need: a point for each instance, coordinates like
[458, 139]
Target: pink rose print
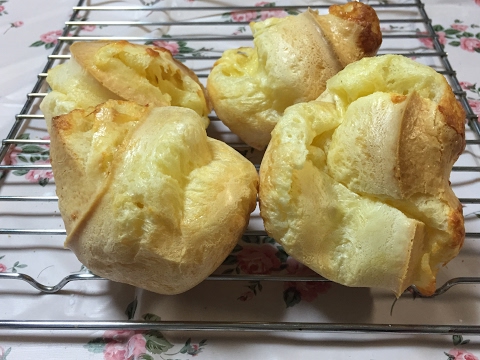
[89, 27]
[469, 44]
[461, 355]
[277, 13]
[477, 2]
[171, 46]
[37, 175]
[466, 85]
[15, 24]
[11, 156]
[248, 295]
[46, 138]
[296, 268]
[124, 345]
[115, 351]
[51, 37]
[3, 268]
[428, 42]
[136, 346]
[118, 335]
[28, 154]
[247, 15]
[459, 27]
[475, 105]
[309, 290]
[195, 350]
[258, 259]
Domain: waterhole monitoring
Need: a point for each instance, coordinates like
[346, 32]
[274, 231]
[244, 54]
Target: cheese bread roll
[290, 62]
[355, 185]
[147, 198]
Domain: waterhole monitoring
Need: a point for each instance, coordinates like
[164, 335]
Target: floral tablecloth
[28, 33]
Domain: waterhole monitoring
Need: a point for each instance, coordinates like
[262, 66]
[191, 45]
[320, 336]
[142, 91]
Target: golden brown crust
[370, 37]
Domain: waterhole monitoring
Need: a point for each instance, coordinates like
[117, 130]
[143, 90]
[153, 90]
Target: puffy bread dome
[355, 185]
[147, 198]
[290, 63]
[102, 70]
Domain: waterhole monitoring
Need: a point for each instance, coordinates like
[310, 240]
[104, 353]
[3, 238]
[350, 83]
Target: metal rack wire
[436, 56]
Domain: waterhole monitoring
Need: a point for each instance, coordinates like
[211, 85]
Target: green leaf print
[281, 254]
[24, 136]
[467, 34]
[228, 272]
[16, 266]
[96, 345]
[291, 297]
[237, 248]
[32, 149]
[452, 31]
[131, 308]
[477, 35]
[293, 12]
[20, 172]
[449, 357]
[269, 240]
[145, 357]
[185, 347]
[151, 317]
[438, 28]
[22, 158]
[458, 340]
[37, 43]
[454, 43]
[156, 342]
[230, 260]
[4, 356]
[43, 181]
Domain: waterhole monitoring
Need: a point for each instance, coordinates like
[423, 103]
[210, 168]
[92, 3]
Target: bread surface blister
[354, 182]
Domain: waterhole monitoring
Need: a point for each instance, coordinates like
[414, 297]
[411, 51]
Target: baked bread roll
[102, 70]
[147, 198]
[355, 185]
[291, 60]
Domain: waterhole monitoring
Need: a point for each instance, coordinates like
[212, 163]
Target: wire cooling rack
[402, 35]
